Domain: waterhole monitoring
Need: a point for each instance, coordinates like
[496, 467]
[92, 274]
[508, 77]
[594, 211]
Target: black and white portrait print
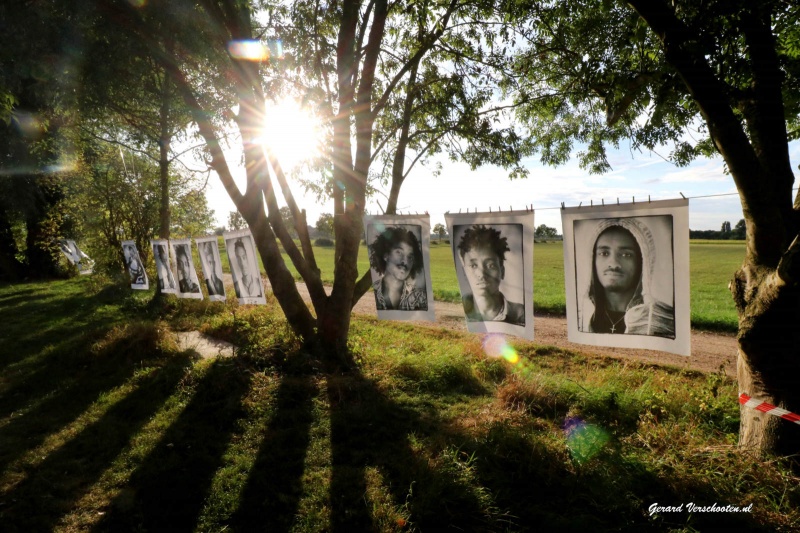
[244, 267]
[625, 279]
[493, 256]
[134, 265]
[399, 258]
[188, 284]
[164, 275]
[212, 267]
[75, 256]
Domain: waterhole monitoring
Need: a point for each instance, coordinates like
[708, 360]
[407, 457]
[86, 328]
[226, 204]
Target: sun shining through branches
[293, 133]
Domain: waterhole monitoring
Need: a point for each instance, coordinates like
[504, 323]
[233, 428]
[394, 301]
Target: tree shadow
[167, 491]
[540, 488]
[51, 487]
[272, 493]
[370, 430]
[66, 320]
[56, 404]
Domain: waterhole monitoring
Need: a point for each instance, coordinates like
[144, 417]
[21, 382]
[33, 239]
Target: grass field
[107, 426]
[712, 264]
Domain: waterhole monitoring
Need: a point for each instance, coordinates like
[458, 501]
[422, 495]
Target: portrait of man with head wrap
[620, 297]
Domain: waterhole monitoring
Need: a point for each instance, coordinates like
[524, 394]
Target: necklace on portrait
[614, 322]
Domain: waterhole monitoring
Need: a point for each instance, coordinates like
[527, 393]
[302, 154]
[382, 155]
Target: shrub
[323, 241]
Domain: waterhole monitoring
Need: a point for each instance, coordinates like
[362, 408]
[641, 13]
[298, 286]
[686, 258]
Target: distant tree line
[544, 232]
[724, 234]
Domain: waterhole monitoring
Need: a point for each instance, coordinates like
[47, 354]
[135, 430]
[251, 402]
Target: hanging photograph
[399, 259]
[626, 273]
[135, 266]
[164, 275]
[493, 255]
[188, 284]
[246, 274]
[75, 256]
[208, 249]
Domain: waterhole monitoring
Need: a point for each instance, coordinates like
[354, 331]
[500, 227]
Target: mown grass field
[712, 264]
[107, 426]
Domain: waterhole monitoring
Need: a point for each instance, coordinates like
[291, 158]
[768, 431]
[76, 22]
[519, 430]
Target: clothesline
[633, 199]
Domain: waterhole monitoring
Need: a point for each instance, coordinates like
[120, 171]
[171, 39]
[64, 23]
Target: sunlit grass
[429, 433]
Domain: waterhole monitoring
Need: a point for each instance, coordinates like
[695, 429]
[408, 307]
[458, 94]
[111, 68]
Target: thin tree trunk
[10, 267]
[163, 160]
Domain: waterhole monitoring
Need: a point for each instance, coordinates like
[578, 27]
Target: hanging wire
[648, 199]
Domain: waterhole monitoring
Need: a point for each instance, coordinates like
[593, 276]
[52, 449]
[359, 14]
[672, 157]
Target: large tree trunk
[769, 358]
[766, 289]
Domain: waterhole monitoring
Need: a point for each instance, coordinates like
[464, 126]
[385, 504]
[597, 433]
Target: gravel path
[710, 351]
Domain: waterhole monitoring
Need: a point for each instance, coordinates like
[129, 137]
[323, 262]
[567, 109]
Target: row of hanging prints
[626, 270]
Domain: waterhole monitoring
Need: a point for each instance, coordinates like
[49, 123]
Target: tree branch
[613, 114]
[310, 271]
[421, 51]
[362, 286]
[207, 130]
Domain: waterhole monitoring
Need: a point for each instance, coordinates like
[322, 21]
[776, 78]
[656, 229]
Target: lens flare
[28, 124]
[583, 440]
[275, 48]
[248, 50]
[495, 345]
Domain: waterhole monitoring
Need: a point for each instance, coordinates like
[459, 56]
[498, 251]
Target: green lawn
[712, 264]
[107, 426]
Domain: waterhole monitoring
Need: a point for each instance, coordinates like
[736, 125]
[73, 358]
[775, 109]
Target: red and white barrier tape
[769, 409]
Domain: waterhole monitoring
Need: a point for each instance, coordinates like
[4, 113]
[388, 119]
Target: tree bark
[163, 159]
[10, 267]
[765, 289]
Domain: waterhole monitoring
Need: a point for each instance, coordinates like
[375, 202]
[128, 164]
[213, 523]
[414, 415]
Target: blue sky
[634, 175]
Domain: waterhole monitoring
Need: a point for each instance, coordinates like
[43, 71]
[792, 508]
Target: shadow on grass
[167, 490]
[273, 489]
[715, 326]
[370, 430]
[55, 404]
[542, 488]
[64, 315]
[51, 488]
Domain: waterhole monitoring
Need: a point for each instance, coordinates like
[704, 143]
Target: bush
[323, 241]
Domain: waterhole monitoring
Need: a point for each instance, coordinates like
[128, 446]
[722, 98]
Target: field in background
[108, 426]
[712, 264]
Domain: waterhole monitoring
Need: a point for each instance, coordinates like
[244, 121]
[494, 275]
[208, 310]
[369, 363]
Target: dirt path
[710, 351]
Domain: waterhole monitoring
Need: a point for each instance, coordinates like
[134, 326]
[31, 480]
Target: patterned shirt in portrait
[412, 299]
